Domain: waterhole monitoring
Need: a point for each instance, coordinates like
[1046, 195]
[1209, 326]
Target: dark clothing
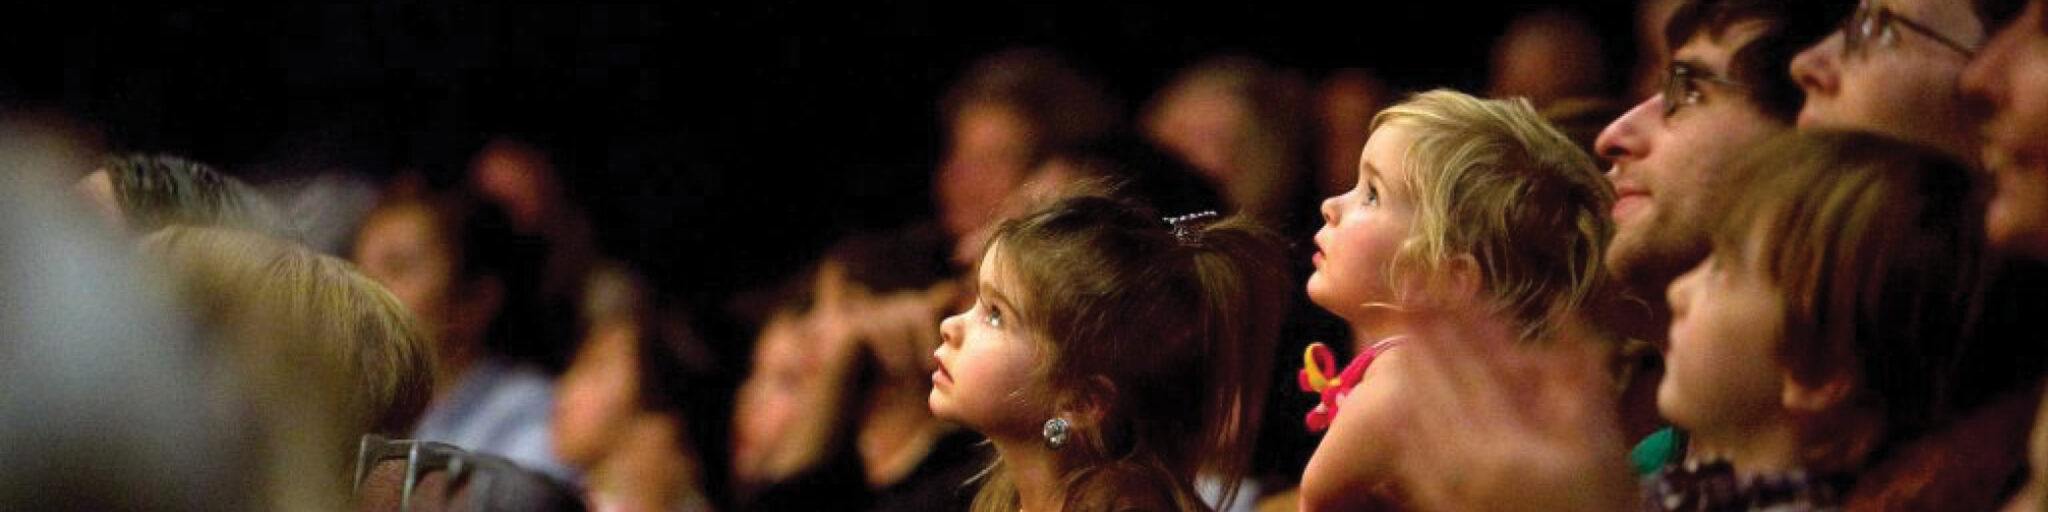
[940, 482]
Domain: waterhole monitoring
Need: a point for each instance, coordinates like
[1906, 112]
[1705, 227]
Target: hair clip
[1184, 227]
[1315, 377]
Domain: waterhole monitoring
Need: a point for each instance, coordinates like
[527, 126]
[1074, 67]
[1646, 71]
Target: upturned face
[1893, 69]
[1363, 230]
[1669, 157]
[2010, 78]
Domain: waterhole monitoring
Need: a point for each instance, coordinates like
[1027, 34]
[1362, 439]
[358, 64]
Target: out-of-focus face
[987, 362]
[97, 189]
[2010, 76]
[596, 398]
[1203, 124]
[770, 400]
[400, 248]
[1346, 106]
[1051, 180]
[519, 179]
[1900, 77]
[1669, 170]
[991, 150]
[1364, 228]
[1722, 375]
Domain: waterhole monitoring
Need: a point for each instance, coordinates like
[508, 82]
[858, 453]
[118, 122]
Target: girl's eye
[993, 317]
[1372, 195]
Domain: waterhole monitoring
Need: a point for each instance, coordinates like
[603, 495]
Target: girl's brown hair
[1177, 318]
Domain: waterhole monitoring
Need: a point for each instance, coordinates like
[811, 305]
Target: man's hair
[1761, 64]
[155, 191]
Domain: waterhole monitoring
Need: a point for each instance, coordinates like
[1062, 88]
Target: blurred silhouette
[112, 401]
[1344, 109]
[458, 265]
[1240, 122]
[1001, 118]
[326, 354]
[1547, 55]
[618, 416]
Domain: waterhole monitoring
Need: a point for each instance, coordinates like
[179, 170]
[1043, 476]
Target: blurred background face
[769, 400]
[595, 399]
[991, 149]
[1897, 80]
[1546, 56]
[2011, 76]
[1345, 108]
[400, 248]
[1203, 123]
[519, 179]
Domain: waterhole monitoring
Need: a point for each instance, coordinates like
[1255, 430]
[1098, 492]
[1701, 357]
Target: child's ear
[1462, 278]
[1821, 396]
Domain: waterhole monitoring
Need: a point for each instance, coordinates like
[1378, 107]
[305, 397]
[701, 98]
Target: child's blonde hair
[1878, 248]
[1492, 179]
[326, 352]
[1178, 319]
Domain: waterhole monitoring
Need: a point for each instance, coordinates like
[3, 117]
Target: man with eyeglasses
[1725, 90]
[1892, 68]
[1895, 67]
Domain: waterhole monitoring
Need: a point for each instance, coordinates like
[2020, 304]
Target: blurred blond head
[328, 354]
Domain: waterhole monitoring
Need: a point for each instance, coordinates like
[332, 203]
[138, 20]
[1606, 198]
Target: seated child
[1111, 355]
[1823, 329]
[1455, 194]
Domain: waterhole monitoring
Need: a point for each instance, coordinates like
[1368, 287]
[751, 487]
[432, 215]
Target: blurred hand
[1501, 424]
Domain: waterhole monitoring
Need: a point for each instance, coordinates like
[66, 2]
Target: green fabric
[1662, 447]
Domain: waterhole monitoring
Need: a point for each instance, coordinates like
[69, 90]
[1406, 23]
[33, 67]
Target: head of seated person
[142, 193]
[328, 354]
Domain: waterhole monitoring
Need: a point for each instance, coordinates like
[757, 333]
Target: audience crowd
[1800, 264]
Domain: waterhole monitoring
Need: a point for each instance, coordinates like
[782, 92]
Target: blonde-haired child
[1461, 202]
[1111, 354]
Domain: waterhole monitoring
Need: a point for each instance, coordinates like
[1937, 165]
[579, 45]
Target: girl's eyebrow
[996, 296]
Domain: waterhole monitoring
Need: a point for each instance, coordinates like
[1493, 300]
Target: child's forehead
[1386, 152]
[995, 274]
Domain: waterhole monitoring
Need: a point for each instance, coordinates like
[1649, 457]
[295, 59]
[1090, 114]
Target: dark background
[720, 145]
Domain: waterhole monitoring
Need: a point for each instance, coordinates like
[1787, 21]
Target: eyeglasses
[408, 476]
[423, 469]
[1870, 23]
[1682, 86]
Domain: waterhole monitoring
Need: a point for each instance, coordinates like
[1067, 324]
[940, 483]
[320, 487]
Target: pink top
[1314, 378]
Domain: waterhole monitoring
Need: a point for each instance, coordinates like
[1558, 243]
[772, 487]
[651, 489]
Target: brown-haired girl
[1110, 355]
